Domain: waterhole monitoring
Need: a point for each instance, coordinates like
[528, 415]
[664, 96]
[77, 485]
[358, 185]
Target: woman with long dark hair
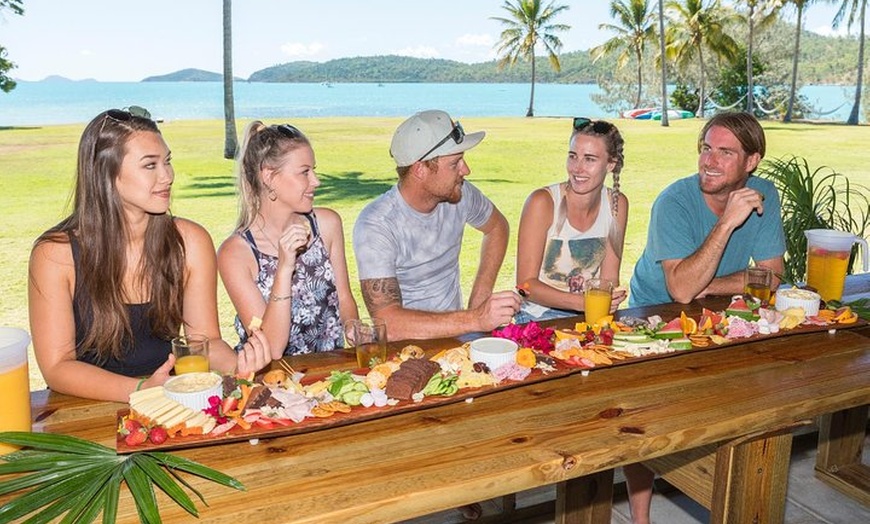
[116, 280]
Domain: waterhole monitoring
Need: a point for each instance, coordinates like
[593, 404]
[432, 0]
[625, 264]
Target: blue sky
[127, 40]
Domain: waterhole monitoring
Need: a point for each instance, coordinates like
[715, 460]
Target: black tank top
[141, 356]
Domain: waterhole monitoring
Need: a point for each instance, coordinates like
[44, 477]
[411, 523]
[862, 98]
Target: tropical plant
[800, 6]
[634, 27]
[528, 25]
[850, 8]
[760, 14]
[82, 479]
[697, 26]
[6, 82]
[818, 198]
[231, 142]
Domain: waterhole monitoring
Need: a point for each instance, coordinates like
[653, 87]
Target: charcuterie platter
[205, 409]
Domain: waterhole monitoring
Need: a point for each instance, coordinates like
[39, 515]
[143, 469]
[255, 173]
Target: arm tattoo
[379, 293]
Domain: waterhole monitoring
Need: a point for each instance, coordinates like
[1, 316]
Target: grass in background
[37, 166]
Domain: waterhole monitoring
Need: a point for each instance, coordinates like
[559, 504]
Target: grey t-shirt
[421, 250]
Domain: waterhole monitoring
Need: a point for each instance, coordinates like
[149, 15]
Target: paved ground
[809, 500]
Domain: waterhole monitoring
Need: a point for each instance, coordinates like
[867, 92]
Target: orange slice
[689, 325]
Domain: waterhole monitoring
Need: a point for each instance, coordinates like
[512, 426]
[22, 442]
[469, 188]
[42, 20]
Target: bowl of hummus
[193, 389]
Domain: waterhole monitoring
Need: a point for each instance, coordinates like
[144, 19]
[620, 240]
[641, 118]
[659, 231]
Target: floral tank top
[316, 324]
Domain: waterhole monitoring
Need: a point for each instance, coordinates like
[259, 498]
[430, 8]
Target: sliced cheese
[143, 394]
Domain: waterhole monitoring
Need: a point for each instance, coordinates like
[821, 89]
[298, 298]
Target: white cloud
[86, 52]
[469, 40]
[297, 49]
[418, 52]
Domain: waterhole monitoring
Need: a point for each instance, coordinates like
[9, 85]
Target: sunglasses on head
[289, 131]
[124, 115]
[599, 127]
[457, 134]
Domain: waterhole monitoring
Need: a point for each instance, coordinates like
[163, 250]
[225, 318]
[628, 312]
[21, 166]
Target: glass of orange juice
[597, 293]
[14, 383]
[191, 354]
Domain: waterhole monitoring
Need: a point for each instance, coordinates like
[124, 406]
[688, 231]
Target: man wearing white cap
[407, 241]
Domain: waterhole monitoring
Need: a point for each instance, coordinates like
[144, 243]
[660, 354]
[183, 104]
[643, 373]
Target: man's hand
[741, 203]
[497, 310]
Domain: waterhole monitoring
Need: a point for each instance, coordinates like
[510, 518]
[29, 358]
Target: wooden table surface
[416, 463]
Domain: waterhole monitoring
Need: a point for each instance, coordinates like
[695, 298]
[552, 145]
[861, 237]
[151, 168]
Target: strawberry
[134, 438]
[229, 404]
[130, 426]
[158, 435]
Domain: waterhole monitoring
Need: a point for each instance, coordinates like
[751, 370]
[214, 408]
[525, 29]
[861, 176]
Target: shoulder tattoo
[379, 293]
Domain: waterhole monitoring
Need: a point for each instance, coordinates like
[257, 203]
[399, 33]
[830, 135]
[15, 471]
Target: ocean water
[59, 102]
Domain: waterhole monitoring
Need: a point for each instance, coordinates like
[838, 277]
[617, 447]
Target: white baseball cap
[430, 134]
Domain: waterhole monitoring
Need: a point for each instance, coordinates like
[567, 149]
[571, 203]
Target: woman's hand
[255, 355]
[617, 296]
[160, 375]
[293, 241]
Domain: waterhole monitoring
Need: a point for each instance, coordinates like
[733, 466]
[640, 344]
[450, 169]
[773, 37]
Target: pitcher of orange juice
[14, 382]
[828, 253]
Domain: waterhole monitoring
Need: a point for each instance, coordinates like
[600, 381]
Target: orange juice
[826, 272]
[597, 305]
[15, 385]
[191, 364]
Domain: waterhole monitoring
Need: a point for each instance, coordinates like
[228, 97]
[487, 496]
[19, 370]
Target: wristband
[139, 384]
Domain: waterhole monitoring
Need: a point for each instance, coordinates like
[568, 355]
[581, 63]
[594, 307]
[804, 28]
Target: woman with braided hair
[573, 231]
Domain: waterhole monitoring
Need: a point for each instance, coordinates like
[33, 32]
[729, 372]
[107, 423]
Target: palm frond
[78, 480]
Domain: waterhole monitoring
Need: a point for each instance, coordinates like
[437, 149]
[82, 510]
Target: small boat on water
[654, 113]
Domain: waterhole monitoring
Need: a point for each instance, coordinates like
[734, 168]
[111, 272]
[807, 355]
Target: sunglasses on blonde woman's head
[289, 131]
[599, 127]
[457, 134]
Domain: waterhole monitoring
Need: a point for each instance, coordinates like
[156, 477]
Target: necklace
[267, 237]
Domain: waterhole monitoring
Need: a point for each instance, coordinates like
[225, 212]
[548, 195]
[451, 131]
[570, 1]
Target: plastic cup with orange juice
[14, 383]
[597, 295]
[191, 354]
[828, 253]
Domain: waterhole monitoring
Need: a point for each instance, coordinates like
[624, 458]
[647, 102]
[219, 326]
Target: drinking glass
[14, 383]
[369, 336]
[191, 354]
[597, 293]
[756, 282]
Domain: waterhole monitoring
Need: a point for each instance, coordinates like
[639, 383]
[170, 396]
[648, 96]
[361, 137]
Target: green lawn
[518, 155]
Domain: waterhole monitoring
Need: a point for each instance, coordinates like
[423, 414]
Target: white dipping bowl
[193, 389]
[493, 351]
[795, 297]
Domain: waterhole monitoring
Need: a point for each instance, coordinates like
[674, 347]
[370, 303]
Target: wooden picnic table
[736, 403]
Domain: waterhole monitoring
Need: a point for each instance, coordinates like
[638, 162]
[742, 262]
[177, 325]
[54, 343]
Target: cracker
[255, 324]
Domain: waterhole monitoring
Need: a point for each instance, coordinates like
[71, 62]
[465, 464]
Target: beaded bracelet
[139, 384]
[275, 298]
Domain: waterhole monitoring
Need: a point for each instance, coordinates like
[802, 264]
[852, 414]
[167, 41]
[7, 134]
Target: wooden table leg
[585, 500]
[841, 442]
[751, 479]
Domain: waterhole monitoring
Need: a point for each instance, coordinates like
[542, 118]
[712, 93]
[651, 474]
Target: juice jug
[828, 253]
[14, 382]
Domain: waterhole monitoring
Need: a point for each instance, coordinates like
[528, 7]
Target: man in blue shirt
[705, 229]
[703, 232]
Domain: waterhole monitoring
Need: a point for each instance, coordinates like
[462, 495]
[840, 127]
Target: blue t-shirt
[421, 250]
[680, 222]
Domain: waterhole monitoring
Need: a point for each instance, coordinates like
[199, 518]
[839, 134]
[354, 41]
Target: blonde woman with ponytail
[285, 263]
[574, 231]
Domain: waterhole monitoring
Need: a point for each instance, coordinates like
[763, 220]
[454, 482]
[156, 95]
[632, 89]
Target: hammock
[777, 109]
[725, 108]
[831, 112]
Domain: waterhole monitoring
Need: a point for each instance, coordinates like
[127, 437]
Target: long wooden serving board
[360, 414]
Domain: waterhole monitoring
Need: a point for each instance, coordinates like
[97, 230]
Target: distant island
[824, 60]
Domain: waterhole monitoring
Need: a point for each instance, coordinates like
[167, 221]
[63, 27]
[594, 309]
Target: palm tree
[850, 7]
[528, 25]
[760, 14]
[231, 143]
[799, 5]
[664, 63]
[697, 26]
[634, 27]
